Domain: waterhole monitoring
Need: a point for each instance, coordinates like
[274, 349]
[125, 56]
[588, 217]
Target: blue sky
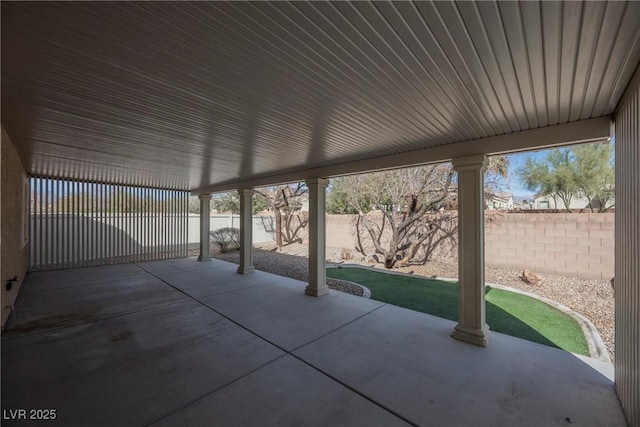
[515, 163]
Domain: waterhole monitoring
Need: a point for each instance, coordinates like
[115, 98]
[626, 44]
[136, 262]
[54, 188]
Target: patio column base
[472, 336]
[204, 258]
[315, 292]
[246, 270]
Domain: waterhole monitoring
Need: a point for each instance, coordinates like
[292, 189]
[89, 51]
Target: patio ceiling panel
[192, 95]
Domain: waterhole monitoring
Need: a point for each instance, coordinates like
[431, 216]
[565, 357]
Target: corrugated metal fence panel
[627, 279]
[77, 224]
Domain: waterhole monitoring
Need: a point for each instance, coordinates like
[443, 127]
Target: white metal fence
[263, 227]
[75, 224]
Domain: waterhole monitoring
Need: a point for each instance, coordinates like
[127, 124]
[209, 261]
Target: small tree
[194, 205]
[594, 174]
[283, 201]
[408, 200]
[585, 170]
[338, 198]
[494, 177]
[554, 176]
[403, 197]
[230, 202]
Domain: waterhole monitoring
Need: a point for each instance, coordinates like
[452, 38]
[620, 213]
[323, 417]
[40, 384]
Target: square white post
[472, 326]
[205, 227]
[246, 231]
[317, 238]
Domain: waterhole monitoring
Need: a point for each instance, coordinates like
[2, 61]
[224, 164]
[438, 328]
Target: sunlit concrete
[185, 343]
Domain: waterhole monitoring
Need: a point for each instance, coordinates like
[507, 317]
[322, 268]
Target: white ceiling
[192, 95]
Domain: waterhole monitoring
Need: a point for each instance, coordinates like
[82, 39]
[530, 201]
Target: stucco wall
[14, 249]
[262, 227]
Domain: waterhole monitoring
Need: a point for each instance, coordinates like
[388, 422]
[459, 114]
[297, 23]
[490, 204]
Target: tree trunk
[389, 260]
[390, 255]
[278, 215]
[411, 252]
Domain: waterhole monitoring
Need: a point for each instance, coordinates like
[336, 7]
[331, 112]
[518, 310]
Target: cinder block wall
[14, 249]
[570, 244]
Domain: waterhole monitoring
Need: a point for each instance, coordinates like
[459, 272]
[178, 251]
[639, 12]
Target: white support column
[317, 237]
[472, 326]
[205, 227]
[246, 231]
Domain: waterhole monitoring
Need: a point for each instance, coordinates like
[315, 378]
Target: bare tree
[283, 201]
[403, 198]
[409, 202]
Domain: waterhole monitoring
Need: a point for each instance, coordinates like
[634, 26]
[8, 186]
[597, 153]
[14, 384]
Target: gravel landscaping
[591, 298]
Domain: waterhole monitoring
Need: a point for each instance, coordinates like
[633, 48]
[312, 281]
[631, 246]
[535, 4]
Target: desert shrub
[345, 254]
[226, 238]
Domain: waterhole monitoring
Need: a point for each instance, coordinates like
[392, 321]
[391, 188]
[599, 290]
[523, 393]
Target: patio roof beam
[582, 131]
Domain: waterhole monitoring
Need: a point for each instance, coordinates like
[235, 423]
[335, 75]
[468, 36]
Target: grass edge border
[597, 349]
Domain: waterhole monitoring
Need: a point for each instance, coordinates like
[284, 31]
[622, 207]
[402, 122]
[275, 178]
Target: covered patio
[114, 113]
[180, 342]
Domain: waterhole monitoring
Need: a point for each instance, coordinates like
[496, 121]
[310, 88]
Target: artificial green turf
[507, 312]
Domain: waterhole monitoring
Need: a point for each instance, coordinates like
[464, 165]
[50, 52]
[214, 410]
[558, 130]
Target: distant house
[500, 201]
[549, 202]
[522, 202]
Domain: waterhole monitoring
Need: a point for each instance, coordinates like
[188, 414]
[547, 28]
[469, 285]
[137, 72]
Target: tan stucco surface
[14, 249]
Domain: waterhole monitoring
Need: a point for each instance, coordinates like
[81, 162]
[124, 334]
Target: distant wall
[14, 245]
[570, 244]
[263, 227]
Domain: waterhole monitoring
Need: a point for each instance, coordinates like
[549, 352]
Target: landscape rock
[531, 278]
[613, 282]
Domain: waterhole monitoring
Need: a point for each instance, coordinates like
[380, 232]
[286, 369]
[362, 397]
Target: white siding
[627, 253]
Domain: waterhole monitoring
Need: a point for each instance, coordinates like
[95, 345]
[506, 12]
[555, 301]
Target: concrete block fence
[570, 244]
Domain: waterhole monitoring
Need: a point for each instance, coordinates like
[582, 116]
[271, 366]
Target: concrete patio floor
[181, 343]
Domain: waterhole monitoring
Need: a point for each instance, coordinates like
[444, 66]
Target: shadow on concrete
[151, 341]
